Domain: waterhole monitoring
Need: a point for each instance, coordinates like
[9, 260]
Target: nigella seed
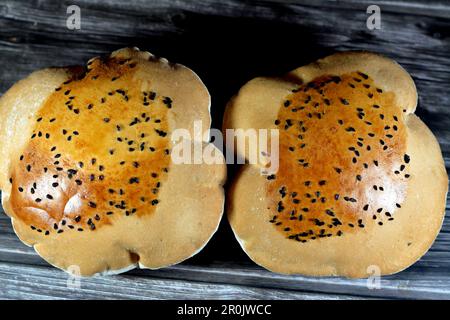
[168, 102]
[280, 206]
[134, 180]
[365, 76]
[406, 158]
[344, 101]
[161, 133]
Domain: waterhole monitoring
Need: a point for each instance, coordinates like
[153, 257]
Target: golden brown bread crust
[90, 181]
[361, 181]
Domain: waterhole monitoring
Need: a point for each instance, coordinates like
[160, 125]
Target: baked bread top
[86, 170]
[361, 182]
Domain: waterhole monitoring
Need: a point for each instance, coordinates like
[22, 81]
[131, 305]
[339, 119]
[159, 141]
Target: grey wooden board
[25, 282]
[227, 43]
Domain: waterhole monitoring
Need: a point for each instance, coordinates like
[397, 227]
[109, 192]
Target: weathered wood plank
[428, 278]
[25, 282]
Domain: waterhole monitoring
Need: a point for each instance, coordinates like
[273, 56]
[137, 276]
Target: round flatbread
[361, 184]
[86, 172]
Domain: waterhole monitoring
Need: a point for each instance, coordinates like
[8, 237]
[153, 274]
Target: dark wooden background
[227, 43]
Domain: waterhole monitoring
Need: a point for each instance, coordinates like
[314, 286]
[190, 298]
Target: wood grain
[227, 43]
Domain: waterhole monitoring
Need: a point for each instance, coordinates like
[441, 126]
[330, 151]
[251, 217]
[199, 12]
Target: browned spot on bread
[99, 149]
[343, 165]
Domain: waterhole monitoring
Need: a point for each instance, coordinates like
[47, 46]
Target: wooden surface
[227, 43]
